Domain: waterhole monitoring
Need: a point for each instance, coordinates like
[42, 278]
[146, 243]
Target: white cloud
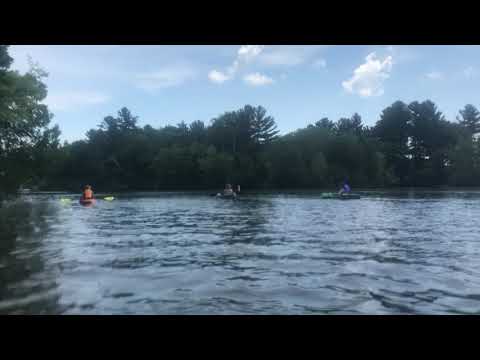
[245, 55]
[217, 76]
[320, 63]
[257, 79]
[469, 72]
[368, 78]
[434, 75]
[169, 76]
[275, 55]
[69, 100]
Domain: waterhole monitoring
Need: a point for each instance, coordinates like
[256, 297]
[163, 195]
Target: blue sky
[297, 85]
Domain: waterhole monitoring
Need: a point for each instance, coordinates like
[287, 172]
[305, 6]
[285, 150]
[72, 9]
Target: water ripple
[388, 253]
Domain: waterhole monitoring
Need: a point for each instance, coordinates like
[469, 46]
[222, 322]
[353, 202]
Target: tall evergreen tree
[470, 119]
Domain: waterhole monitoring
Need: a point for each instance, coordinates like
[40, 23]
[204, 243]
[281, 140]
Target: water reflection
[28, 283]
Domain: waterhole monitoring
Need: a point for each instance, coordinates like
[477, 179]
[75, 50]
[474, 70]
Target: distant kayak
[226, 197]
[87, 201]
[340, 197]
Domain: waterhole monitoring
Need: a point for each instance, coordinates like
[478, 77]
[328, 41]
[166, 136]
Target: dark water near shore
[178, 253]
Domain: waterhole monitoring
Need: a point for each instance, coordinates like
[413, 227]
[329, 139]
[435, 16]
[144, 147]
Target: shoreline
[263, 191]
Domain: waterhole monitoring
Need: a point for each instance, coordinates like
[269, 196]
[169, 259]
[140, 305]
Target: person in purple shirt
[345, 188]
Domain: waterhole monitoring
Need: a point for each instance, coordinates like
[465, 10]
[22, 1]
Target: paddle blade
[109, 198]
[65, 200]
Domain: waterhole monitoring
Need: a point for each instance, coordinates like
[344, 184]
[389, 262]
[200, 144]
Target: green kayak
[341, 197]
[227, 197]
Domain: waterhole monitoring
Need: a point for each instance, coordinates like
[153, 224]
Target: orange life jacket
[87, 194]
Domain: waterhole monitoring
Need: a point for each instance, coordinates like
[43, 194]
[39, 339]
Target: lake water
[179, 253]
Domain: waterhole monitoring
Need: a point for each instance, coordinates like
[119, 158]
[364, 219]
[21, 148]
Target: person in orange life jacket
[87, 193]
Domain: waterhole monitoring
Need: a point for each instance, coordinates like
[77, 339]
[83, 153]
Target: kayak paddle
[68, 201]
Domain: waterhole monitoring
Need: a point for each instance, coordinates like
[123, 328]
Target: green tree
[325, 123]
[263, 128]
[173, 167]
[286, 167]
[347, 126]
[198, 132]
[470, 119]
[216, 168]
[431, 139]
[463, 169]
[319, 169]
[244, 130]
[393, 132]
[24, 121]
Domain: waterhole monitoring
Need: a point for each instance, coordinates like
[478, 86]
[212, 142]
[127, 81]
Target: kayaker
[345, 188]
[87, 193]
[228, 190]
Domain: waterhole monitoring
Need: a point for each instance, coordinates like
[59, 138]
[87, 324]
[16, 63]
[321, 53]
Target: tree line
[410, 145]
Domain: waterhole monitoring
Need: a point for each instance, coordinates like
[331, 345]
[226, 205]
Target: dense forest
[410, 145]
